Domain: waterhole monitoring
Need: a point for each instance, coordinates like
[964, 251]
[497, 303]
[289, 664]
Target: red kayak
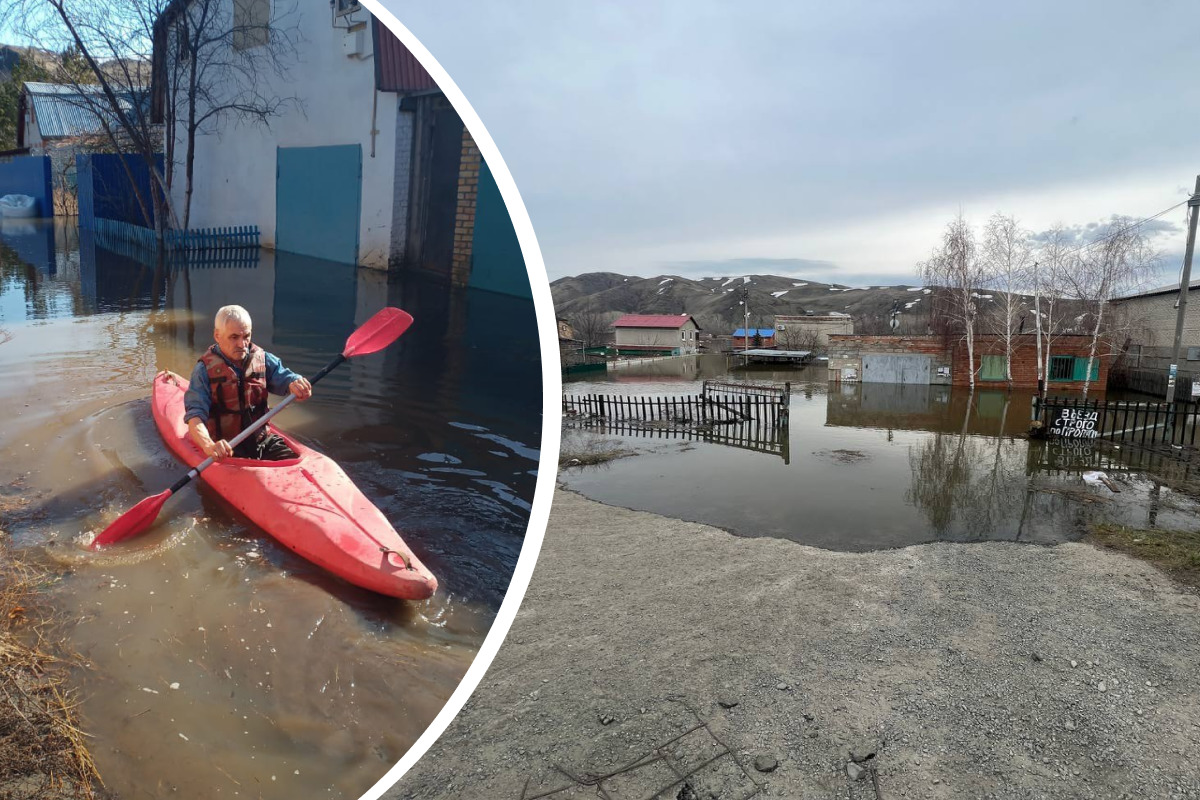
[308, 504]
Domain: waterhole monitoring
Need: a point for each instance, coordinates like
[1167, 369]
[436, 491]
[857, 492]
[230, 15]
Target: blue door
[318, 196]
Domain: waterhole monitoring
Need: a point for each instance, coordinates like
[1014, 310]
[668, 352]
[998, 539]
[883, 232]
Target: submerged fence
[1144, 424]
[742, 415]
[719, 403]
[244, 237]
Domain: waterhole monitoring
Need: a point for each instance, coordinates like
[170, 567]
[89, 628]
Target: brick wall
[1024, 362]
[464, 215]
[846, 351]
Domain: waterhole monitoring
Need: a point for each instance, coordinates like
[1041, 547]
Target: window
[183, 42]
[251, 23]
[1062, 368]
[1073, 368]
[343, 7]
[992, 368]
[1193, 354]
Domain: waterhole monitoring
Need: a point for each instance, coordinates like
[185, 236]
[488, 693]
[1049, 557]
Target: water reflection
[282, 669]
[879, 465]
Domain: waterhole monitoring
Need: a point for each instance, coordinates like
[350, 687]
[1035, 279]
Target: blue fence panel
[113, 196]
[83, 192]
[29, 175]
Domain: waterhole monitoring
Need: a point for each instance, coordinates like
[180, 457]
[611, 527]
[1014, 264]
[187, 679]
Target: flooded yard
[221, 664]
[870, 466]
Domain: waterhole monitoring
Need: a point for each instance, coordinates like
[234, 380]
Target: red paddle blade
[378, 332]
[132, 522]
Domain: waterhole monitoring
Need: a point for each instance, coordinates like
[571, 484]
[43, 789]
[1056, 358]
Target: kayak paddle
[372, 336]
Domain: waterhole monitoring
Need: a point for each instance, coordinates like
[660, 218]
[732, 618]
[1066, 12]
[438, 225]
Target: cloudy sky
[826, 140]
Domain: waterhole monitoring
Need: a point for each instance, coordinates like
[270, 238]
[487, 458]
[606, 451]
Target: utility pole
[746, 309]
[1184, 285]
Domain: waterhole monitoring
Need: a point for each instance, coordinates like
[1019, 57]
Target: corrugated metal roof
[396, 69]
[1171, 288]
[65, 111]
[653, 321]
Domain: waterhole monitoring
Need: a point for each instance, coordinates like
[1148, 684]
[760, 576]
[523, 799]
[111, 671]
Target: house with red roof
[656, 334]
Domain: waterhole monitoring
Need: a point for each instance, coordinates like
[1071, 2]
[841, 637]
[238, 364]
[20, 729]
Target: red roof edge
[396, 69]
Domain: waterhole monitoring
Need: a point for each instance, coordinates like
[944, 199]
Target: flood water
[871, 466]
[221, 664]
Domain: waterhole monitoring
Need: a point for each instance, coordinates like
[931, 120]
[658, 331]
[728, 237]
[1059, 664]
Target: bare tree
[794, 336]
[1116, 262]
[956, 272]
[214, 68]
[1053, 260]
[1007, 257]
[213, 61]
[591, 327]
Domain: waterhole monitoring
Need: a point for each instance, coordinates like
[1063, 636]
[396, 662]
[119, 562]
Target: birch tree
[1007, 258]
[956, 272]
[1052, 261]
[1113, 264]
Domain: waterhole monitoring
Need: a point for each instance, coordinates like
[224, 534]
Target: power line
[1130, 227]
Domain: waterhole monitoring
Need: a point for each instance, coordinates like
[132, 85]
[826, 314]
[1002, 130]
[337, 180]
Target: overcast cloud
[837, 138]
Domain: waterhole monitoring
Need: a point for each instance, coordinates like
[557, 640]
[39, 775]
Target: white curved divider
[551, 400]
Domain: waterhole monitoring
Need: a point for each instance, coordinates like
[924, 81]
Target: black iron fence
[718, 403]
[1143, 424]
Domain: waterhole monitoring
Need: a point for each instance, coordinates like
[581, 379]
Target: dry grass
[585, 449]
[43, 753]
[1176, 553]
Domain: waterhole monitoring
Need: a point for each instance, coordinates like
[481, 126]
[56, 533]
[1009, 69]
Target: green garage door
[318, 195]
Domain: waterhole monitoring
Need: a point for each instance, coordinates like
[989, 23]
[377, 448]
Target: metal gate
[318, 196]
[437, 151]
[885, 368]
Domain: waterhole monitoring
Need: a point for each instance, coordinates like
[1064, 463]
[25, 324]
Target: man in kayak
[228, 392]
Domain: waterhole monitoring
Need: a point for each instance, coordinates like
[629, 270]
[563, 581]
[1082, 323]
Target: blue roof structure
[755, 332]
[64, 111]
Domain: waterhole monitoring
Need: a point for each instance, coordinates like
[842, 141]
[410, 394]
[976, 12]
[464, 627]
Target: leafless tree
[591, 327]
[217, 61]
[1053, 259]
[1007, 257]
[209, 71]
[1114, 263]
[794, 336]
[956, 272]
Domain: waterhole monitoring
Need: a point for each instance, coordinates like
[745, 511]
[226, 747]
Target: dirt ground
[654, 658]
[43, 753]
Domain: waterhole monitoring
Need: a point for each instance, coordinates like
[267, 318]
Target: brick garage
[1068, 359]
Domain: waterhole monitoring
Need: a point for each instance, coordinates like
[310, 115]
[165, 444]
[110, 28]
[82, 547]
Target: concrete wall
[822, 326]
[235, 162]
[660, 337]
[1151, 325]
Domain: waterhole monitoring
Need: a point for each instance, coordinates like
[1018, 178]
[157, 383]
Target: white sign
[1076, 423]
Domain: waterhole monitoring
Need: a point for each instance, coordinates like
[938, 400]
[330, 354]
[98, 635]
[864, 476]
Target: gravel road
[654, 658]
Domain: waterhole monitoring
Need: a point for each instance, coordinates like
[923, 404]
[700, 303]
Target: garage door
[881, 368]
[318, 193]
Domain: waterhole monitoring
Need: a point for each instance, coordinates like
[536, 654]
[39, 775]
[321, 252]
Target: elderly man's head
[232, 331]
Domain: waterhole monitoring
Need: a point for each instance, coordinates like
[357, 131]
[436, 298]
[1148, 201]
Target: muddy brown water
[872, 466]
[222, 665]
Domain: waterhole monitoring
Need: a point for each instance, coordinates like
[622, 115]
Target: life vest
[238, 398]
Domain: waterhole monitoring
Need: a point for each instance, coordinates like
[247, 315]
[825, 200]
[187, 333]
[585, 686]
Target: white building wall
[235, 165]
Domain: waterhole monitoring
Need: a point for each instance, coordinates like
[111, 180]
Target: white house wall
[235, 166]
